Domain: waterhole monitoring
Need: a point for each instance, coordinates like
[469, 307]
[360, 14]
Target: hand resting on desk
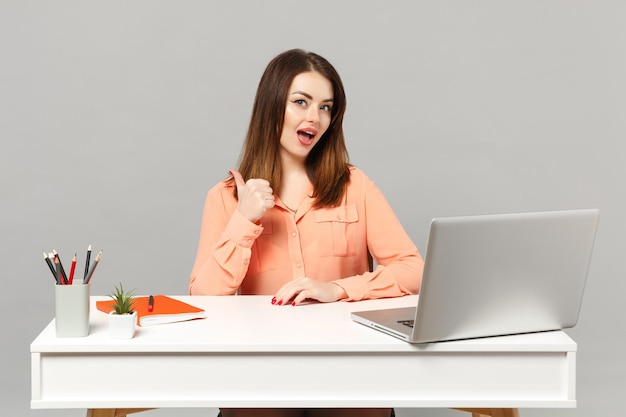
[307, 288]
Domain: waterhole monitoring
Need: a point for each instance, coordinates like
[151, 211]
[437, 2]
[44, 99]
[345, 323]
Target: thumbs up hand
[255, 196]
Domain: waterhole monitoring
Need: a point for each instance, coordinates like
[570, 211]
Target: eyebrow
[307, 95]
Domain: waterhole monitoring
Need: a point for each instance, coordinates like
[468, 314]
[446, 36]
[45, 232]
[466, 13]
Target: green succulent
[124, 300]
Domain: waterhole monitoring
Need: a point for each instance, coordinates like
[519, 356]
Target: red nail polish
[293, 304]
[280, 303]
[274, 300]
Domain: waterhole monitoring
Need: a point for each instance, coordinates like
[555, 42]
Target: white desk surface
[248, 352]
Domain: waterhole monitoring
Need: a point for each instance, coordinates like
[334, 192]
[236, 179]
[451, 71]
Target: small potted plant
[123, 319]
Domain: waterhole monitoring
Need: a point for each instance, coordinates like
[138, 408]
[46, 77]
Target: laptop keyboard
[408, 323]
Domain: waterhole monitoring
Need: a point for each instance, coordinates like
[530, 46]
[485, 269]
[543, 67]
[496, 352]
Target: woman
[296, 221]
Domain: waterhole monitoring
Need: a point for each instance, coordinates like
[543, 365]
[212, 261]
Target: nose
[313, 114]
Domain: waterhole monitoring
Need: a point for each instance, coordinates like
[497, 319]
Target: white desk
[249, 353]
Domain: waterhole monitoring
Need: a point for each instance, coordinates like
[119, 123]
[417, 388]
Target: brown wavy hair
[327, 163]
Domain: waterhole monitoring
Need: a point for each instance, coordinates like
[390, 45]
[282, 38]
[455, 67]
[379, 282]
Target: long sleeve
[399, 264]
[224, 248]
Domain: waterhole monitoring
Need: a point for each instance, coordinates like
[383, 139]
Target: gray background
[117, 116]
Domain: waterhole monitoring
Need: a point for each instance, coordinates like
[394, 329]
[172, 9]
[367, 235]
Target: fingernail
[280, 302]
[293, 303]
[274, 300]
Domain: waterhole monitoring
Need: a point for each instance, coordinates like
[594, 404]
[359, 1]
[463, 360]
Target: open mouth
[306, 136]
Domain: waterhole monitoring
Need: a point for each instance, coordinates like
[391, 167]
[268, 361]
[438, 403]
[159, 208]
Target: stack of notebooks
[165, 310]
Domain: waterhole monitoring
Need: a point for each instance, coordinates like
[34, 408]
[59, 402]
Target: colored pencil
[73, 267]
[93, 268]
[51, 266]
[87, 260]
[63, 275]
[58, 266]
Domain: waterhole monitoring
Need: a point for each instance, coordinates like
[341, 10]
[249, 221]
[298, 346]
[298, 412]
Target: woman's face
[307, 115]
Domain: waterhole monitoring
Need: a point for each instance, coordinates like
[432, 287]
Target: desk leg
[114, 412]
[491, 412]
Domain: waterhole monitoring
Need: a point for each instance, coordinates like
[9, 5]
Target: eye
[300, 102]
[326, 107]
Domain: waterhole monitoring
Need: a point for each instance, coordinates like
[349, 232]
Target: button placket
[295, 250]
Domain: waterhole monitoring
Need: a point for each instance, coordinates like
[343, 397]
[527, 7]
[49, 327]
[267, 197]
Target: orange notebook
[165, 310]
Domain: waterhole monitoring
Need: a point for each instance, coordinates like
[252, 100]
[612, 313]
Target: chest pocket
[336, 230]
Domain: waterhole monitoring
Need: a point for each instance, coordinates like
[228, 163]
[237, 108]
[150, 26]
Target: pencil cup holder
[72, 310]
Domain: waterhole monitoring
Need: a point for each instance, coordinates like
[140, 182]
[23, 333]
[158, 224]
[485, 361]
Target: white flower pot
[122, 326]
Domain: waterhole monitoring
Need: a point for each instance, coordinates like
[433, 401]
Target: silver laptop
[494, 275]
